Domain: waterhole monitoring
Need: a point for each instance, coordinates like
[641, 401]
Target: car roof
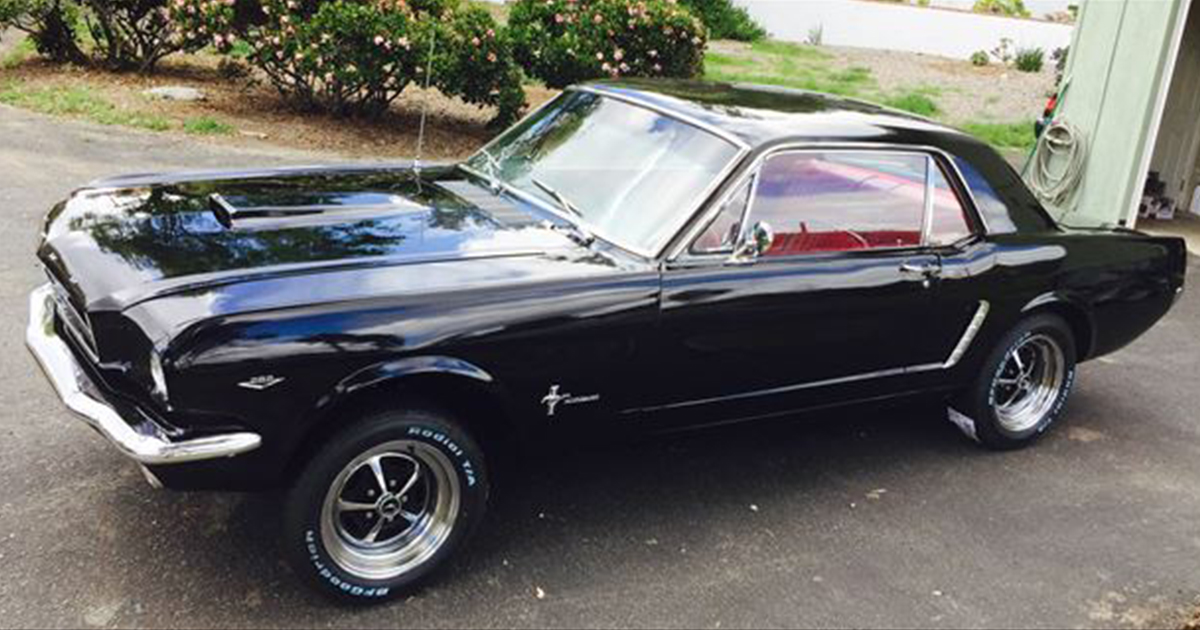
[757, 115]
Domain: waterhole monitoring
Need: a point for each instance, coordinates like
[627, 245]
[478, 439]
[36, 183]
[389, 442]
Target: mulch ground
[255, 110]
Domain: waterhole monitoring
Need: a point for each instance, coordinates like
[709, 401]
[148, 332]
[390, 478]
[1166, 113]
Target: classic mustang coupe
[629, 257]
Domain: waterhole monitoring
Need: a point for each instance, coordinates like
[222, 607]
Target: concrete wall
[900, 27]
[1117, 71]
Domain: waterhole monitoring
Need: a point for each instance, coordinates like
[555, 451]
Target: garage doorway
[1172, 203]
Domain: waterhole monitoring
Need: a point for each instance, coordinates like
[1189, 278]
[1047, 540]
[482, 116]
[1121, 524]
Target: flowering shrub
[131, 34]
[355, 57]
[567, 41]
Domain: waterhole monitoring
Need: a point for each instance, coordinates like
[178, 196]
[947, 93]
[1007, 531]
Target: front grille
[74, 321]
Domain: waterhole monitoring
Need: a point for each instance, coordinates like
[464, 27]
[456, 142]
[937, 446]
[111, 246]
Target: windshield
[628, 174]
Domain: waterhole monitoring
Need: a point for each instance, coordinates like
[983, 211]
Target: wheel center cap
[389, 507]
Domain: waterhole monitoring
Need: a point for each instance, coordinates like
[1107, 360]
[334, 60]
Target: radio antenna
[425, 105]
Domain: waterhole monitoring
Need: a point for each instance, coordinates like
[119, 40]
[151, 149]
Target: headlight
[158, 376]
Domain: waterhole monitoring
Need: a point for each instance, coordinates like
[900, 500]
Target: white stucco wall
[878, 25]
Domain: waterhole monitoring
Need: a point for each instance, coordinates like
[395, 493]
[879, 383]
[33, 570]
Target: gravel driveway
[860, 518]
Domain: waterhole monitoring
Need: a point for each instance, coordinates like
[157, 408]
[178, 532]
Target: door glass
[841, 201]
[723, 232]
[949, 217]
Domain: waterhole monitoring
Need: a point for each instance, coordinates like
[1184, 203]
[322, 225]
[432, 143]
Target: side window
[722, 234]
[841, 201]
[949, 215]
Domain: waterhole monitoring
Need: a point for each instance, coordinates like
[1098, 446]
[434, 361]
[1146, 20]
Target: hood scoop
[242, 212]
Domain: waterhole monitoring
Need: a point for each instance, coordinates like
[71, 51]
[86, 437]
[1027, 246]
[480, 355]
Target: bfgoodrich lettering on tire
[1023, 385]
[385, 503]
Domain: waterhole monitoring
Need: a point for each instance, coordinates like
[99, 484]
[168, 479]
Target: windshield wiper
[493, 170]
[563, 202]
[576, 229]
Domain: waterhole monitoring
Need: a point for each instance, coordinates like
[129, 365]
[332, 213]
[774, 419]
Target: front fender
[379, 373]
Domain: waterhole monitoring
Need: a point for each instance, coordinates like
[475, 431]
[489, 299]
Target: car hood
[121, 241]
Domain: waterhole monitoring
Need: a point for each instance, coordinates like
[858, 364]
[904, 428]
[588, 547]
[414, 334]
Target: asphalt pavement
[870, 517]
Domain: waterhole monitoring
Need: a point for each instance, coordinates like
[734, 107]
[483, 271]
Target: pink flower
[597, 18]
[491, 57]
[475, 41]
[605, 66]
[599, 56]
[491, 34]
[402, 42]
[657, 68]
[619, 55]
[653, 53]
[379, 40]
[558, 18]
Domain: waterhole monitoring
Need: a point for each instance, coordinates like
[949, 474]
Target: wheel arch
[1083, 327]
[462, 388]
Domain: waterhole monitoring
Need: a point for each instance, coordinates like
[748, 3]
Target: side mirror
[757, 242]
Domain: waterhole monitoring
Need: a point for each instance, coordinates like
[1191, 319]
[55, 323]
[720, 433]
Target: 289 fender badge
[259, 383]
[553, 398]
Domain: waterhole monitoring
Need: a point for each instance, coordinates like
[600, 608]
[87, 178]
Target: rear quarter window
[987, 200]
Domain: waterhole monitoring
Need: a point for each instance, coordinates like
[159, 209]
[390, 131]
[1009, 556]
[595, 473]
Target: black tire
[980, 410]
[426, 450]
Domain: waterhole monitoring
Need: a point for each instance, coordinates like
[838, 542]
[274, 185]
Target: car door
[841, 302]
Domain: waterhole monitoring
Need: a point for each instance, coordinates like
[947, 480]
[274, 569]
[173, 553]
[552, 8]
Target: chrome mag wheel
[1029, 384]
[390, 509]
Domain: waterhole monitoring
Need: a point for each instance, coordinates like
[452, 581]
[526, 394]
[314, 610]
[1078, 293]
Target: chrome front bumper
[82, 396]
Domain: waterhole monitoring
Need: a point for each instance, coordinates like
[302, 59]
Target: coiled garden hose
[1056, 186]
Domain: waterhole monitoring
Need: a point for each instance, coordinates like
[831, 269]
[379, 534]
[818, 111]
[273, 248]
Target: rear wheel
[1023, 386]
[385, 503]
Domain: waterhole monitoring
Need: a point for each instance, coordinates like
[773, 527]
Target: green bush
[1010, 8]
[355, 57]
[1030, 59]
[567, 41]
[980, 58]
[724, 20]
[49, 23]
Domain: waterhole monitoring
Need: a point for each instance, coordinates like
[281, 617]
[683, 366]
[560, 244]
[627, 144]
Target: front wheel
[386, 502]
[1022, 387]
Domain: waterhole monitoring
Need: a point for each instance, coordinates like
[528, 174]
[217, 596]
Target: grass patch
[789, 49]
[1004, 135]
[77, 102]
[914, 102]
[20, 53]
[787, 64]
[205, 126]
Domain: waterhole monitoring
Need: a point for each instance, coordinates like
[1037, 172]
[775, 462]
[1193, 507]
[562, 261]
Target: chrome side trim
[960, 350]
[928, 367]
[80, 395]
[964, 343]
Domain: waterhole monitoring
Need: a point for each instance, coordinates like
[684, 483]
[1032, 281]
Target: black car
[631, 257]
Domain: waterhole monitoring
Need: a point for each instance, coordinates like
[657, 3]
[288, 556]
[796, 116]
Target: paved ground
[868, 518]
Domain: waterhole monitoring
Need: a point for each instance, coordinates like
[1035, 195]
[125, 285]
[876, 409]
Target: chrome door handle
[928, 270]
